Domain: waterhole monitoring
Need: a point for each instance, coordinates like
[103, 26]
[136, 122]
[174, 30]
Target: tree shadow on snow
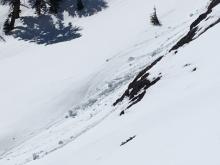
[90, 7]
[43, 30]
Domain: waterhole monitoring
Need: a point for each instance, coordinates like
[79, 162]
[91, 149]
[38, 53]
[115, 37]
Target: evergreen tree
[15, 14]
[54, 6]
[40, 5]
[15, 7]
[80, 5]
[7, 27]
[154, 19]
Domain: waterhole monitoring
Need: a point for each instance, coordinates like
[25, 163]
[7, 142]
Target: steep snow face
[175, 123]
[39, 84]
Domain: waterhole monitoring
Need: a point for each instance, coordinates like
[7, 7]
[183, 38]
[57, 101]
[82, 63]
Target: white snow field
[177, 121]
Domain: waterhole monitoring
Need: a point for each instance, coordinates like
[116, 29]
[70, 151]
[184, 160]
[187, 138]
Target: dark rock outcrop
[137, 88]
[190, 36]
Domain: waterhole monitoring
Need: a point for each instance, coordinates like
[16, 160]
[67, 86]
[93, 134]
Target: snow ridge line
[195, 31]
[137, 88]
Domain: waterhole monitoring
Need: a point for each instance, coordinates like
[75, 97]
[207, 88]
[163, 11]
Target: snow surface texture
[175, 123]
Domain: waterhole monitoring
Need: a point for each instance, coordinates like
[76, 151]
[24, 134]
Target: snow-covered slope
[176, 122]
